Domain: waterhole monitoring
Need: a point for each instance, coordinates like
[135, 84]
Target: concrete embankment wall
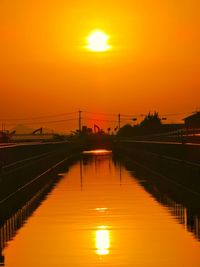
[24, 176]
[13, 153]
[181, 163]
[187, 152]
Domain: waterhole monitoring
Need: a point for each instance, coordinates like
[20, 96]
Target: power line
[126, 119]
[44, 122]
[89, 112]
[120, 118]
[39, 117]
[174, 114]
[93, 119]
[99, 113]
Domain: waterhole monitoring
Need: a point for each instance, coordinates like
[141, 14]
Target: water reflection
[10, 227]
[101, 209]
[112, 222]
[184, 215]
[102, 240]
[98, 152]
[185, 209]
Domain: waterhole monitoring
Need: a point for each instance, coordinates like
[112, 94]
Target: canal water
[99, 214]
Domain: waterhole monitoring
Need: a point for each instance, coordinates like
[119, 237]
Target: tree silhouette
[151, 121]
[151, 124]
[126, 130]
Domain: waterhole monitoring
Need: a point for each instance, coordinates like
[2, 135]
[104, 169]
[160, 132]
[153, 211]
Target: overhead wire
[38, 120]
[93, 119]
[39, 117]
[43, 122]
[99, 113]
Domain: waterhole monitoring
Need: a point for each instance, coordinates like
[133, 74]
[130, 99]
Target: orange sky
[45, 69]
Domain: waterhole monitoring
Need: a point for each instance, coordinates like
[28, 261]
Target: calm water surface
[99, 215]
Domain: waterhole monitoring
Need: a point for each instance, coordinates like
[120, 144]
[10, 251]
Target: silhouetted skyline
[46, 69]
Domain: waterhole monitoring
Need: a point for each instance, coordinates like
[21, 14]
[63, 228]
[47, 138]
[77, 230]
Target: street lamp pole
[119, 121]
[79, 119]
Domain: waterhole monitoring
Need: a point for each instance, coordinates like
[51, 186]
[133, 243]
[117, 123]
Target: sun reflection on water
[102, 240]
[97, 152]
[101, 209]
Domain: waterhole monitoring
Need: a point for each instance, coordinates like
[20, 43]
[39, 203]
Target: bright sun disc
[98, 42]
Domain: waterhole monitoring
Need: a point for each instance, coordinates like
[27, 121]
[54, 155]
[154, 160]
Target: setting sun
[98, 41]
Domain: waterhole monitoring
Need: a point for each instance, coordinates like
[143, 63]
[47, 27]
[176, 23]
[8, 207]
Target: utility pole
[119, 121]
[79, 120]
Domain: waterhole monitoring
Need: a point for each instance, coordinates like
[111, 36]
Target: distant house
[193, 121]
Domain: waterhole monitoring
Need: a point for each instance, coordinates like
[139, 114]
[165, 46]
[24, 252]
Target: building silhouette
[193, 121]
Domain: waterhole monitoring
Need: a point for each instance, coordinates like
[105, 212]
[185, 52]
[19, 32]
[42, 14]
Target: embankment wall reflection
[182, 204]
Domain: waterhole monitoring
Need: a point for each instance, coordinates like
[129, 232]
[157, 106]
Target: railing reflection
[9, 228]
[184, 215]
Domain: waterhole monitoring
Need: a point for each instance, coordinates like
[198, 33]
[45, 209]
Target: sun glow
[102, 241]
[98, 41]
